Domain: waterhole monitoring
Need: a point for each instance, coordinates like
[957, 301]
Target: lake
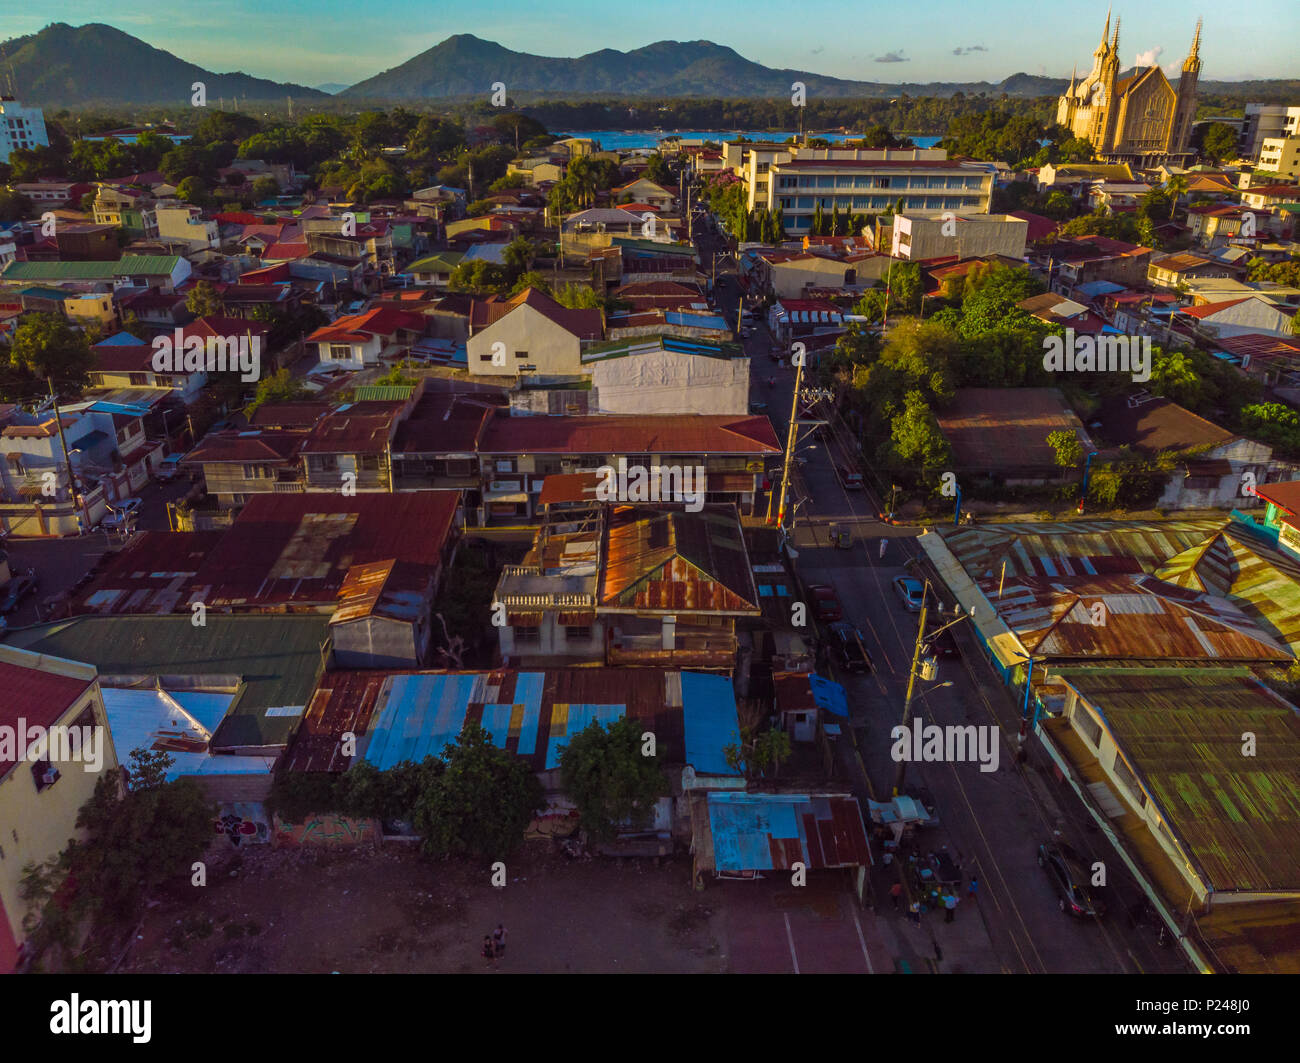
[625, 140]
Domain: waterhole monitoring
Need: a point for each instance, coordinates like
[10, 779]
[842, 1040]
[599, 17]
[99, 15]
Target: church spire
[1192, 64]
[1106, 32]
[1115, 46]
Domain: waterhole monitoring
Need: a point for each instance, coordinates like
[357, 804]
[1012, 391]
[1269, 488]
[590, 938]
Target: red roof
[287, 251]
[34, 698]
[1210, 309]
[382, 321]
[259, 446]
[607, 434]
[361, 428]
[299, 548]
[266, 275]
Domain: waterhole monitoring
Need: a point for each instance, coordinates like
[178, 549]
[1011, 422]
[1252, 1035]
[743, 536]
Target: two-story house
[529, 334]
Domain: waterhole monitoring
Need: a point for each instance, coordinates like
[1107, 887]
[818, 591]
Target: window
[44, 774]
[530, 633]
[577, 631]
[1086, 725]
[139, 380]
[340, 352]
[327, 463]
[1125, 775]
[485, 357]
[370, 462]
[521, 354]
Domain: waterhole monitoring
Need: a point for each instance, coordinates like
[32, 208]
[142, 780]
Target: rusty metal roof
[408, 715]
[678, 561]
[397, 590]
[767, 832]
[151, 575]
[1237, 817]
[1126, 617]
[298, 549]
[36, 697]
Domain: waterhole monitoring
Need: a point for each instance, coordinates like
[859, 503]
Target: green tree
[280, 386]
[204, 301]
[519, 255]
[1218, 142]
[578, 297]
[265, 188]
[46, 345]
[657, 171]
[915, 438]
[482, 802]
[14, 206]
[1175, 377]
[193, 190]
[603, 769]
[758, 754]
[1066, 448]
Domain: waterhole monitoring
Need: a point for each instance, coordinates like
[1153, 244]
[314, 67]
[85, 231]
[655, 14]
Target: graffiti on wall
[325, 830]
[243, 822]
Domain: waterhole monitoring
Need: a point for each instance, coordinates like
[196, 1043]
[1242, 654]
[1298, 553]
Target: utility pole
[911, 685]
[67, 461]
[789, 444]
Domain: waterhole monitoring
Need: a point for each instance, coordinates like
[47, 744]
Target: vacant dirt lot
[317, 911]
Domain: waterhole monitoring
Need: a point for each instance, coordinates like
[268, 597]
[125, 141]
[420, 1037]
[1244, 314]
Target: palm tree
[1175, 186]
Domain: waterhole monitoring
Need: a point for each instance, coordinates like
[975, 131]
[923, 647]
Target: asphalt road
[990, 821]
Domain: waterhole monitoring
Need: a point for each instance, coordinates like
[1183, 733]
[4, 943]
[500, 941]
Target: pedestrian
[914, 912]
[895, 891]
[489, 950]
[973, 888]
[950, 906]
[499, 939]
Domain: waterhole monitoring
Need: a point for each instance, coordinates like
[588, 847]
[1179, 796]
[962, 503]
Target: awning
[524, 619]
[577, 619]
[513, 496]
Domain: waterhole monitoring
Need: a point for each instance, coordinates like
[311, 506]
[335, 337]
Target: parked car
[18, 588]
[911, 591]
[943, 644]
[757, 407]
[1066, 876]
[826, 604]
[122, 514]
[850, 478]
[169, 468]
[846, 641]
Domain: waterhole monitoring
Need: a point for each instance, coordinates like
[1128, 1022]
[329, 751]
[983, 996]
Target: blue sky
[316, 41]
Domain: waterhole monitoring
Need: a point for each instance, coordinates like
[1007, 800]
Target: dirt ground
[390, 910]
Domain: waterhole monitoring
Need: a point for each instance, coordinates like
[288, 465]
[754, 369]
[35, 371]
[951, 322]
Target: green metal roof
[1237, 816]
[278, 658]
[662, 342]
[383, 392]
[58, 271]
[676, 250]
[443, 263]
[133, 265]
[46, 293]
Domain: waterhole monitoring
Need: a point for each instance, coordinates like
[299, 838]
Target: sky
[312, 42]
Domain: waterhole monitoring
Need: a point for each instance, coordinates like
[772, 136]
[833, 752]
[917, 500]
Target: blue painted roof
[122, 339]
[1095, 288]
[764, 832]
[828, 695]
[422, 713]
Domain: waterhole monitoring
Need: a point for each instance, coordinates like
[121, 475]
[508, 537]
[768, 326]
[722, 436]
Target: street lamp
[921, 643]
[1025, 725]
[956, 517]
[1087, 468]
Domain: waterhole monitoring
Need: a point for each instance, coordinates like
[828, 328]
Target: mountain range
[64, 65]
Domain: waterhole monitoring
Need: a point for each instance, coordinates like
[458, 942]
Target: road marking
[862, 941]
[790, 937]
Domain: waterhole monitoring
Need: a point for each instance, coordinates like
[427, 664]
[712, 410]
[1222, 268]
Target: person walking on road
[499, 939]
[895, 891]
[950, 906]
[914, 912]
[973, 888]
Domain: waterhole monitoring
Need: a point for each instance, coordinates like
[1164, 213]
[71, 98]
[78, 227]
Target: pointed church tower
[1185, 109]
[1109, 106]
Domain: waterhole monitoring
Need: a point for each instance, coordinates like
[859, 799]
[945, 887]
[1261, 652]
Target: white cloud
[1149, 57]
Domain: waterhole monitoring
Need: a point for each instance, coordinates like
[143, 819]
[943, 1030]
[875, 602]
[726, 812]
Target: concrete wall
[551, 348]
[671, 383]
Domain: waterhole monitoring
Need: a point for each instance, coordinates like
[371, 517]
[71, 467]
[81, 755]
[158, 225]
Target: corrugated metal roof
[530, 714]
[35, 696]
[678, 561]
[766, 832]
[1238, 817]
[278, 658]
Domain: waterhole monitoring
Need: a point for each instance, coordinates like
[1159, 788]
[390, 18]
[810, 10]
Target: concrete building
[42, 790]
[1265, 121]
[1281, 155]
[20, 127]
[858, 181]
[964, 235]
